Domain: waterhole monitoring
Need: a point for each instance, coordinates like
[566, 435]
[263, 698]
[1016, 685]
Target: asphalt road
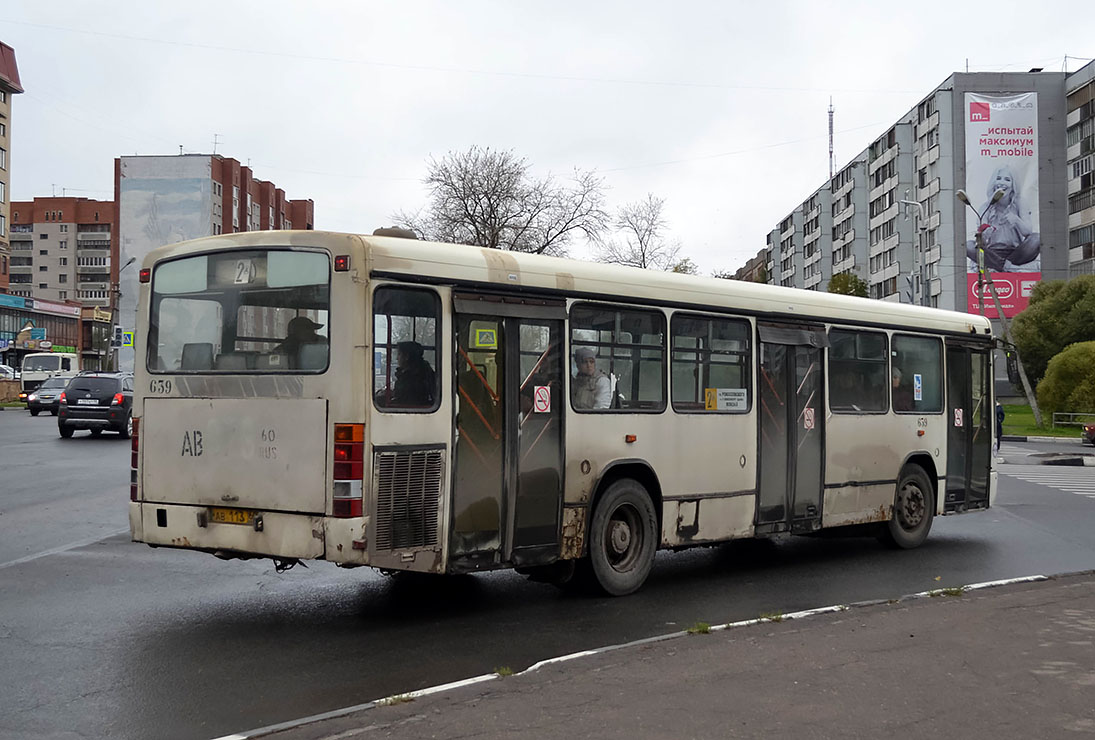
[102, 637]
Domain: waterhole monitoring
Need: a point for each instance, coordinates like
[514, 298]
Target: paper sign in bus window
[725, 399]
[918, 387]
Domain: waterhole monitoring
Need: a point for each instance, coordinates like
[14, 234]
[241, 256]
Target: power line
[454, 70]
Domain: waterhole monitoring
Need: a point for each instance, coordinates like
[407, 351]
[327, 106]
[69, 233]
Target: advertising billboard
[1002, 155]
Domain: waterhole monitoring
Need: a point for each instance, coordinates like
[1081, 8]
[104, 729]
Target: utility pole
[979, 241]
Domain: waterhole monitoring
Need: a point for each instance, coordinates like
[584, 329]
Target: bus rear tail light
[349, 469]
[134, 446]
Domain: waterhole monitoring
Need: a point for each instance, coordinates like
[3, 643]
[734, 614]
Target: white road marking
[63, 548]
[584, 653]
[1078, 480]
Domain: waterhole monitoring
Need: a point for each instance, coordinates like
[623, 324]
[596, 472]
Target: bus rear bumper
[281, 534]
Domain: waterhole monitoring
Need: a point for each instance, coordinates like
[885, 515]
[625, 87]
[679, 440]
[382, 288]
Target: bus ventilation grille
[408, 497]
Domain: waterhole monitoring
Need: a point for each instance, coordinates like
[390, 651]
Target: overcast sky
[720, 108]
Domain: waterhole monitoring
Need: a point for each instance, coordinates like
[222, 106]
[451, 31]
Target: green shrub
[1060, 313]
[1069, 383]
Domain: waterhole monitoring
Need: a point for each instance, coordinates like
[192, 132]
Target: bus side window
[66, 364]
[857, 372]
[406, 349]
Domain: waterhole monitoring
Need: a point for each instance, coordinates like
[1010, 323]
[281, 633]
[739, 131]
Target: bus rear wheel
[913, 510]
[623, 537]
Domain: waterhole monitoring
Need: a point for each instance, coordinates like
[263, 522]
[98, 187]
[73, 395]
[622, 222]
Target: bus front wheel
[913, 510]
[623, 537]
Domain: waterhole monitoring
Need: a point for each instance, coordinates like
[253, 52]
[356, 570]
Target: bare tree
[640, 241]
[488, 199]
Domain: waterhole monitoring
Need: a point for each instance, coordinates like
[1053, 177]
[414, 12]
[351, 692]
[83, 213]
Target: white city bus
[423, 419]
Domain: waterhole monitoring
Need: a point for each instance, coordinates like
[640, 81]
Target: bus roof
[433, 262]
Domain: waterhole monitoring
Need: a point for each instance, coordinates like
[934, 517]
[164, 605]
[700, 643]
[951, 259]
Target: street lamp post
[115, 298]
[918, 247]
[980, 244]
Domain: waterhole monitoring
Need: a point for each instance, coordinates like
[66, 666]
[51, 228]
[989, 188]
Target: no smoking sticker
[808, 417]
[541, 399]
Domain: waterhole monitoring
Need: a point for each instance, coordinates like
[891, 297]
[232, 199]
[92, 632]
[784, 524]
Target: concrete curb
[1060, 440]
[956, 591]
[1078, 460]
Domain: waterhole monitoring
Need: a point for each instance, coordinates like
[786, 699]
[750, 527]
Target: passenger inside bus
[902, 394]
[591, 388]
[415, 380]
[301, 343]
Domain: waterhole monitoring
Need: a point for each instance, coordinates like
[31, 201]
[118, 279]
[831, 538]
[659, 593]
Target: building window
[62, 278]
[63, 261]
[64, 227]
[3, 159]
[4, 194]
[64, 244]
[64, 294]
[43, 286]
[42, 236]
[43, 252]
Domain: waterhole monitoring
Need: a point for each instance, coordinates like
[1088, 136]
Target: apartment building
[9, 86]
[1080, 133]
[892, 217]
[168, 199]
[61, 250]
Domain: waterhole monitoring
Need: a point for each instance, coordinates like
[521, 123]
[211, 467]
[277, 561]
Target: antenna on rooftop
[180, 150]
[216, 140]
[830, 138]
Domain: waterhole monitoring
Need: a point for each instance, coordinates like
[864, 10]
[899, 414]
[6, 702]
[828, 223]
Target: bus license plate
[232, 516]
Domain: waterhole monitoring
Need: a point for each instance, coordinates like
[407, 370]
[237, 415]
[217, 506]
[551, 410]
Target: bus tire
[913, 510]
[623, 537]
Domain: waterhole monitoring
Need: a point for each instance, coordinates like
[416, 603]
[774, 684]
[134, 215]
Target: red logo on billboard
[979, 112]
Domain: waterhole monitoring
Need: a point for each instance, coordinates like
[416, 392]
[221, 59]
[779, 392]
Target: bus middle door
[508, 474]
[970, 426]
[791, 418]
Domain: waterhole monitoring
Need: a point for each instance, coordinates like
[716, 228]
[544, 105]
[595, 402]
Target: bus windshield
[258, 311]
[41, 362]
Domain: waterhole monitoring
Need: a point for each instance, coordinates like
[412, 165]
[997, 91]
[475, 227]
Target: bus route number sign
[541, 399]
[245, 272]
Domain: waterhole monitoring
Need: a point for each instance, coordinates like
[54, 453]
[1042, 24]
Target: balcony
[93, 269]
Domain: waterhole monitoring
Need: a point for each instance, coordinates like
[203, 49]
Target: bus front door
[791, 428]
[970, 427]
[508, 475]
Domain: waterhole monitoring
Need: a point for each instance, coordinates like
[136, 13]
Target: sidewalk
[1012, 661]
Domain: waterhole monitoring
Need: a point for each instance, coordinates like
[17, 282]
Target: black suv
[97, 401]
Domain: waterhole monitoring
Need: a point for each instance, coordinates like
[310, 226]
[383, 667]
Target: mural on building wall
[1002, 155]
[163, 200]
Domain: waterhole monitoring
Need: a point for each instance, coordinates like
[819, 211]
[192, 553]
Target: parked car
[97, 401]
[47, 396]
[7, 372]
[1089, 434]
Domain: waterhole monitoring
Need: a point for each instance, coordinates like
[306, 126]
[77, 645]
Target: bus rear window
[261, 311]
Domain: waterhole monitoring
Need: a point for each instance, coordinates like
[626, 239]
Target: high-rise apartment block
[61, 250]
[892, 215]
[1080, 141]
[9, 86]
[167, 199]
